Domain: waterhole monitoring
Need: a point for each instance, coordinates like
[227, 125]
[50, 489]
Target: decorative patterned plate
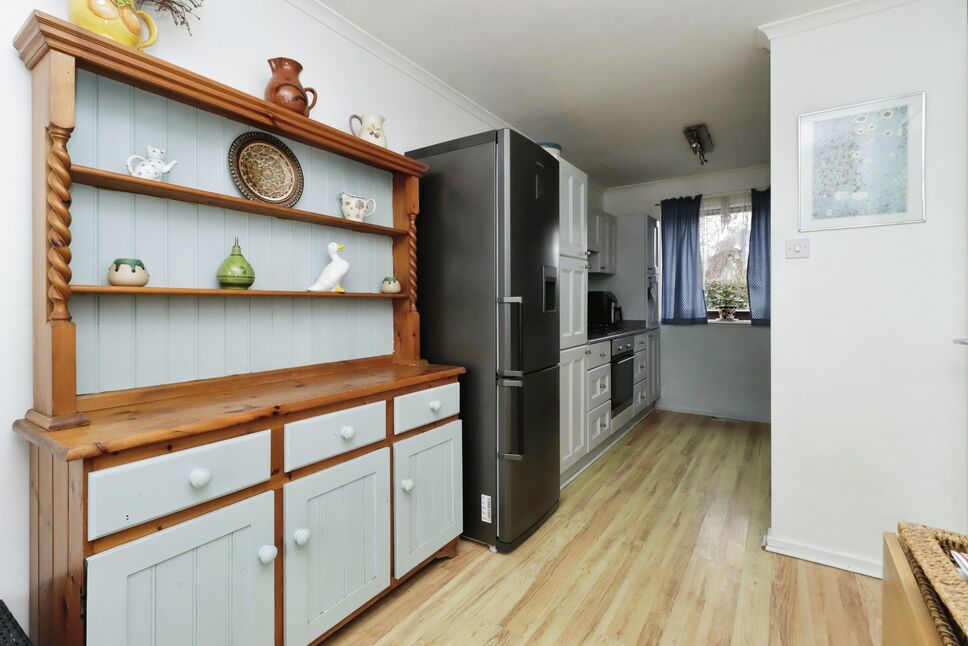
[265, 169]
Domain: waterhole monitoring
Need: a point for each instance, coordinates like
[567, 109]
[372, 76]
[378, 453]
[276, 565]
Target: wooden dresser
[211, 465]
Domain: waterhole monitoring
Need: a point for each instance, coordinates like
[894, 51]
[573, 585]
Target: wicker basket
[945, 592]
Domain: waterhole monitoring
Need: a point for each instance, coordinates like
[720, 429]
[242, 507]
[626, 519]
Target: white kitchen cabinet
[599, 386]
[572, 210]
[573, 433]
[337, 543]
[599, 424]
[209, 580]
[427, 501]
[573, 290]
[654, 374]
[594, 217]
[599, 354]
[640, 397]
[640, 366]
[605, 260]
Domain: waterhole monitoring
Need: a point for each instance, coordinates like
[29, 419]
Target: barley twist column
[59, 223]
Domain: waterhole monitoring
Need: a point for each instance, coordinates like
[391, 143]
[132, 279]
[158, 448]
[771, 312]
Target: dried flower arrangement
[180, 10]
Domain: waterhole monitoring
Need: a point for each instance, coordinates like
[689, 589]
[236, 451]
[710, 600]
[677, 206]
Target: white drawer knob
[200, 477]
[435, 405]
[347, 432]
[407, 485]
[267, 553]
[301, 536]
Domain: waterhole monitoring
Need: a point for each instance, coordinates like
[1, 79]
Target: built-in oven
[622, 368]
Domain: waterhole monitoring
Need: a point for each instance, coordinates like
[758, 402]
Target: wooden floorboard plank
[658, 542]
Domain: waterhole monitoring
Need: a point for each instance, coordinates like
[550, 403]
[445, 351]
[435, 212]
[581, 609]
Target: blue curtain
[758, 266]
[683, 302]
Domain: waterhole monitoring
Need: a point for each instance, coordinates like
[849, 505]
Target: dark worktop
[627, 328]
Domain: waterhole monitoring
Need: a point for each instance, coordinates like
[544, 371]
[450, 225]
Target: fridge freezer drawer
[423, 407]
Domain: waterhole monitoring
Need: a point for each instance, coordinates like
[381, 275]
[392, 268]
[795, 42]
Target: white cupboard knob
[347, 432]
[200, 477]
[267, 553]
[301, 536]
[407, 485]
[435, 405]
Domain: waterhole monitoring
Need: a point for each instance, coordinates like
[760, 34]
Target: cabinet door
[599, 424]
[654, 367]
[573, 211]
[206, 581]
[608, 244]
[599, 386]
[427, 502]
[573, 314]
[337, 543]
[573, 436]
[593, 231]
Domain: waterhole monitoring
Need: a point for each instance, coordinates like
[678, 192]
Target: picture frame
[862, 165]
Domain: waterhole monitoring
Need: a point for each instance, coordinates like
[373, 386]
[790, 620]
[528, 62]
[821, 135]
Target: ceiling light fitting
[700, 142]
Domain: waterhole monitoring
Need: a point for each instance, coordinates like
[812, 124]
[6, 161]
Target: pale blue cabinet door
[337, 544]
[205, 582]
[427, 502]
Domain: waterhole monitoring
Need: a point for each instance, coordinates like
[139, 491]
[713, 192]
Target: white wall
[231, 44]
[870, 415]
[720, 370]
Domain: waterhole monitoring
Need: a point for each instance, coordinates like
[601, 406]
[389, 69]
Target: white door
[337, 543]
[573, 211]
[206, 581]
[599, 424]
[573, 290]
[654, 367]
[428, 507]
[574, 437]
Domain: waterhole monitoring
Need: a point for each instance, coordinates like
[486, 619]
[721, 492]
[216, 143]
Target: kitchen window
[724, 237]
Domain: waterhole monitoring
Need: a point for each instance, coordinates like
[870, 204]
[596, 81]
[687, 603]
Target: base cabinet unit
[599, 386]
[654, 373]
[573, 438]
[573, 291]
[206, 581]
[336, 542]
[640, 397]
[599, 424]
[428, 510]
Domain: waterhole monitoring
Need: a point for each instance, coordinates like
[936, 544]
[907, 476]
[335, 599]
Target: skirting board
[823, 557]
[741, 417]
[590, 459]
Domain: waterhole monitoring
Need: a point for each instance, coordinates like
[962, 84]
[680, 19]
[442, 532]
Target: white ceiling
[614, 81]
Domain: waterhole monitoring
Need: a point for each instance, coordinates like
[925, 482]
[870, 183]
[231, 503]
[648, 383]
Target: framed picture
[863, 165]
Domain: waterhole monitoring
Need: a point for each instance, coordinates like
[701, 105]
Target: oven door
[622, 368]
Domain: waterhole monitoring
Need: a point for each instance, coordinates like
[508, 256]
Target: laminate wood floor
[656, 543]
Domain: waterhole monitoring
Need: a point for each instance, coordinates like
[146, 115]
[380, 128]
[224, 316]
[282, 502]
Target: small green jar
[236, 272]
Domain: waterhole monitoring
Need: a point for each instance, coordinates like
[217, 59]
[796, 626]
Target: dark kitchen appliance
[623, 358]
[604, 312]
[488, 255]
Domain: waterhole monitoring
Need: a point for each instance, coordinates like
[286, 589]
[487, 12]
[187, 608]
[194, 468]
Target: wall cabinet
[337, 544]
[207, 581]
[573, 434]
[573, 290]
[594, 243]
[605, 260]
[427, 502]
[573, 211]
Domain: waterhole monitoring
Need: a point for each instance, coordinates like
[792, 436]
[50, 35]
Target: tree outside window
[724, 235]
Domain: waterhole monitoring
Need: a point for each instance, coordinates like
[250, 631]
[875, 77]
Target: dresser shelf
[190, 291]
[125, 183]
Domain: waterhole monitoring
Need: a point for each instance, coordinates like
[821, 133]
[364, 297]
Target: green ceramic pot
[236, 272]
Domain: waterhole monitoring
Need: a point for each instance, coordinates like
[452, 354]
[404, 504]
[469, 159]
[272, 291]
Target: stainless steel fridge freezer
[487, 237]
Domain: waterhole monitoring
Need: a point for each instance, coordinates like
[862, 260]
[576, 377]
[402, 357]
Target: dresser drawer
[133, 493]
[317, 438]
[599, 354]
[599, 386]
[425, 407]
[640, 366]
[641, 342]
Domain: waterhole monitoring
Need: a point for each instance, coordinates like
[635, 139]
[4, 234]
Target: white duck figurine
[333, 273]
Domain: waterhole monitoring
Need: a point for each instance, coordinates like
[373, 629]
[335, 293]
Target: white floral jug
[371, 128]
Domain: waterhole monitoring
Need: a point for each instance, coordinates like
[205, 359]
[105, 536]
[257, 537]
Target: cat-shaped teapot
[151, 167]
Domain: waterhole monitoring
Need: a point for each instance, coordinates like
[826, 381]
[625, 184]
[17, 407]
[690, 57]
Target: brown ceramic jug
[284, 88]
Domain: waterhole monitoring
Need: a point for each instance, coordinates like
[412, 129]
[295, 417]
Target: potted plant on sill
[725, 296]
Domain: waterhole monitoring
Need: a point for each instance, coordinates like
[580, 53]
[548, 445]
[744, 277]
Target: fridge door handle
[507, 359]
[511, 422]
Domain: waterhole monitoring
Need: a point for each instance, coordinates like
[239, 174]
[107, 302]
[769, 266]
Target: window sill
[728, 322]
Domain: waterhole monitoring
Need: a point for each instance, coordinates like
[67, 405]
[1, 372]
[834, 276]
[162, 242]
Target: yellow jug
[116, 19]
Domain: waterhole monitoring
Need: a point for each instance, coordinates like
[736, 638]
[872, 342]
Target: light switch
[799, 248]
